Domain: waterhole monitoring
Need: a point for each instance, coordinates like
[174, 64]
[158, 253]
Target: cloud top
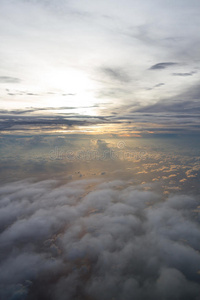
[86, 240]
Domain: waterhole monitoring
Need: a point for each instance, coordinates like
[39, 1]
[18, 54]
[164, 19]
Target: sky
[99, 150]
[73, 63]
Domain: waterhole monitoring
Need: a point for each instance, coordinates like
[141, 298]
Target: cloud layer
[97, 240]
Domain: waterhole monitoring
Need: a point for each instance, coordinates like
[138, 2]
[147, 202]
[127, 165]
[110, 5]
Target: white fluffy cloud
[91, 240]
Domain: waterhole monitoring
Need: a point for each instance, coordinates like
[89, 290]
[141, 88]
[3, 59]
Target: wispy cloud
[8, 79]
[163, 65]
[184, 74]
[118, 74]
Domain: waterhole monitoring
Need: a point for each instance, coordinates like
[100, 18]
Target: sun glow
[71, 88]
[70, 80]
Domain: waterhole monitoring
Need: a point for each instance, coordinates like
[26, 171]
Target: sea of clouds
[97, 240]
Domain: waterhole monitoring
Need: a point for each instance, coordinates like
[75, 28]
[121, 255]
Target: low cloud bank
[92, 240]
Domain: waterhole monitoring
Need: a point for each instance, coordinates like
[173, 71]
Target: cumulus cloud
[92, 240]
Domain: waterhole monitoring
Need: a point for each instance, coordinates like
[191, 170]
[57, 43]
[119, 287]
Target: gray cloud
[10, 119]
[186, 102]
[156, 86]
[8, 79]
[54, 122]
[36, 109]
[184, 74]
[159, 84]
[173, 106]
[179, 113]
[118, 74]
[33, 109]
[58, 242]
[161, 66]
[49, 122]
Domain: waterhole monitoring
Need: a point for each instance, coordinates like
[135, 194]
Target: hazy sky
[135, 61]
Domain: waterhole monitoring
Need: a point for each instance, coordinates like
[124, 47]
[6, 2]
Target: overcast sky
[115, 59]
